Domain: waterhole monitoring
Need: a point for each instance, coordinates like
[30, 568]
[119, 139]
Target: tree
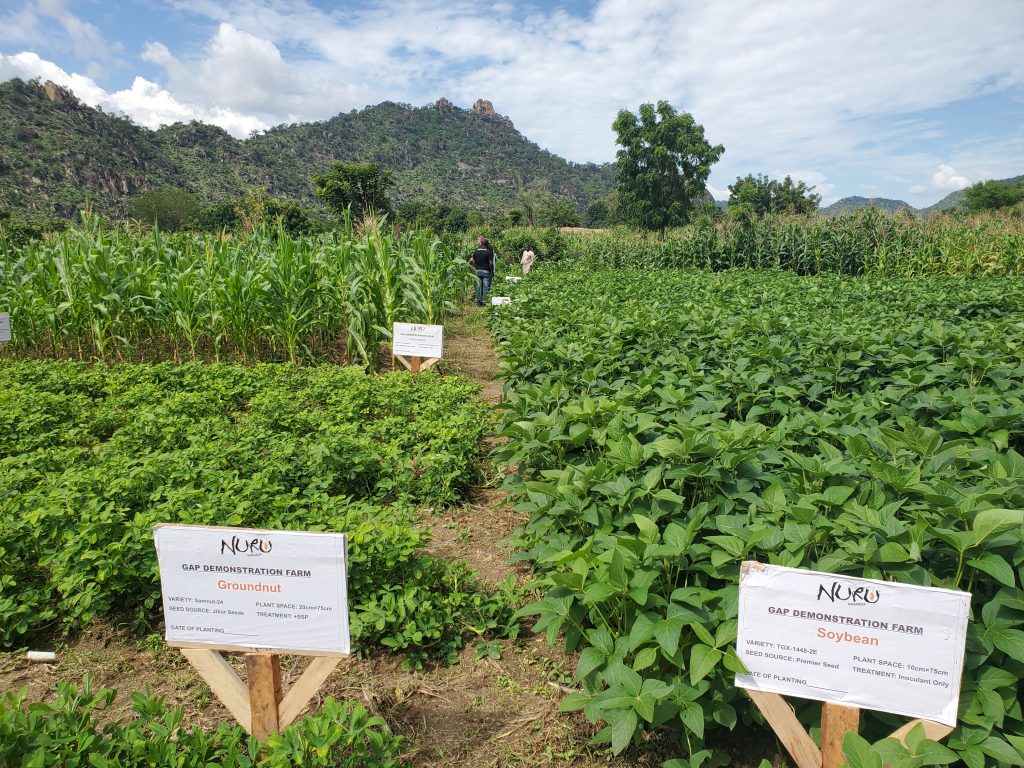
[440, 218]
[543, 208]
[755, 196]
[663, 166]
[992, 195]
[363, 187]
[170, 208]
[596, 214]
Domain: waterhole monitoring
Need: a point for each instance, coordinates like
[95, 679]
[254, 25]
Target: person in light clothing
[527, 260]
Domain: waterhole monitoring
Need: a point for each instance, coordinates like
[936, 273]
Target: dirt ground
[479, 713]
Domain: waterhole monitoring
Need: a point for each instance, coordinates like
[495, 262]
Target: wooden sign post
[417, 347]
[836, 721]
[261, 593]
[850, 643]
[260, 707]
[415, 363]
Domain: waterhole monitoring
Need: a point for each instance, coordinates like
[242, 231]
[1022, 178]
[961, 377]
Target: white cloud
[145, 102]
[816, 180]
[718, 194]
[828, 84]
[86, 39]
[947, 178]
[21, 27]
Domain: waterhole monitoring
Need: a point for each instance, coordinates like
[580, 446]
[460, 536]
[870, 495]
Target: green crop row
[70, 733]
[865, 243]
[92, 457]
[115, 295]
[669, 425]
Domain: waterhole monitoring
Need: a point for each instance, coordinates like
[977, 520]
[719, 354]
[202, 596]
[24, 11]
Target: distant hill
[949, 202]
[952, 200]
[57, 154]
[848, 204]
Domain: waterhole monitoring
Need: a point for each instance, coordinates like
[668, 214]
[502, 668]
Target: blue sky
[908, 100]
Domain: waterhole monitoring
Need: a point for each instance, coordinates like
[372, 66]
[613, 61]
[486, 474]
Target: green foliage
[18, 228]
[169, 208]
[441, 218]
[114, 295]
[663, 165]
[549, 244]
[361, 188]
[992, 195]
[752, 197]
[218, 217]
[668, 425]
[541, 207]
[918, 751]
[92, 457]
[73, 732]
[597, 214]
[59, 155]
[866, 242]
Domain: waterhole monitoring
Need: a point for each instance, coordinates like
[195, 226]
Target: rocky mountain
[58, 154]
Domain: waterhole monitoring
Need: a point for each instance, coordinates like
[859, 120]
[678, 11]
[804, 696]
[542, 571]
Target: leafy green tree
[170, 207]
[363, 187]
[541, 207]
[218, 217]
[441, 218]
[992, 195]
[596, 214]
[756, 196]
[20, 227]
[558, 212]
[663, 166]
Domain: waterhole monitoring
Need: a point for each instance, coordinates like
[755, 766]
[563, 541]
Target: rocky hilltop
[58, 154]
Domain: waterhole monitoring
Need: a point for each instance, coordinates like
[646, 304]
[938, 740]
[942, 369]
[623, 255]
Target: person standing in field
[527, 260]
[483, 261]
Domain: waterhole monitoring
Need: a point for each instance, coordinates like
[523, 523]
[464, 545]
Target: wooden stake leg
[264, 672]
[260, 707]
[791, 733]
[836, 722]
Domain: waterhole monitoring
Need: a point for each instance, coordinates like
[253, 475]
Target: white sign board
[498, 300]
[5, 327]
[512, 279]
[414, 340]
[860, 642]
[247, 588]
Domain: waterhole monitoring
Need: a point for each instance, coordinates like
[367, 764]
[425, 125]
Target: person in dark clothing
[483, 262]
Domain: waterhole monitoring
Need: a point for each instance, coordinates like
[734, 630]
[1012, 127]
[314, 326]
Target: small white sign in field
[5, 327]
[241, 588]
[512, 279]
[863, 643]
[415, 340]
[499, 300]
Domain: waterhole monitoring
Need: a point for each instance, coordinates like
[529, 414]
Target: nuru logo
[847, 594]
[237, 546]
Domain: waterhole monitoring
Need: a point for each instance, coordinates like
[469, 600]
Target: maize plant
[116, 295]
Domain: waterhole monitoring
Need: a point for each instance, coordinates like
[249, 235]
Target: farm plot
[92, 457]
[122, 296]
[668, 425]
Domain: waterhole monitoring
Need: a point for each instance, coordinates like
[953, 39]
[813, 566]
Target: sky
[906, 99]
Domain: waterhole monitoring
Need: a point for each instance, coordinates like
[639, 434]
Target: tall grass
[867, 242]
[95, 293]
